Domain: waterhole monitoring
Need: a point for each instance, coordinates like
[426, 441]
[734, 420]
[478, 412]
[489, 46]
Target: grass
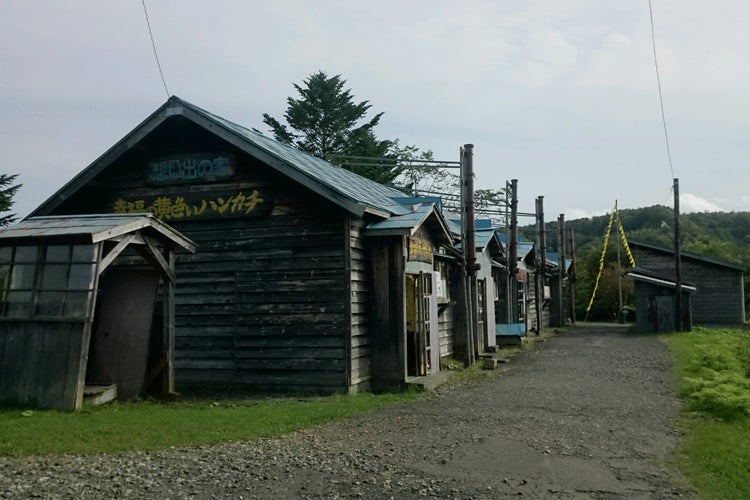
[150, 425]
[713, 376]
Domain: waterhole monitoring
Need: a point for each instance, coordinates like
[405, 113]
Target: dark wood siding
[264, 301]
[40, 362]
[361, 296]
[718, 299]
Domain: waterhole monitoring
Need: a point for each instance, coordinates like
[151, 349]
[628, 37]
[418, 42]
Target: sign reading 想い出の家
[191, 168]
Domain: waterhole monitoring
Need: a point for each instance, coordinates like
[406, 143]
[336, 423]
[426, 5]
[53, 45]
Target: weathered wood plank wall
[718, 300]
[39, 362]
[360, 309]
[265, 299]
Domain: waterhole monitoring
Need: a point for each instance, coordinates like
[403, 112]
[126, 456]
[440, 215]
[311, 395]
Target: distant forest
[719, 235]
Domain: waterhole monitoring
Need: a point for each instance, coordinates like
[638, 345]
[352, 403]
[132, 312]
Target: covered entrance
[77, 303]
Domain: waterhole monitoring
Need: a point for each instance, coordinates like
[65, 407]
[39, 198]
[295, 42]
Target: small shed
[720, 299]
[77, 302]
[655, 302]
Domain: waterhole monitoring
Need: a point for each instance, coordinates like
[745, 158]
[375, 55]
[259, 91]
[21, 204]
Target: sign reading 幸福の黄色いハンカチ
[240, 203]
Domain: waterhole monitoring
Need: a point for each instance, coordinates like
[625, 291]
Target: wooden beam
[117, 250]
[162, 265]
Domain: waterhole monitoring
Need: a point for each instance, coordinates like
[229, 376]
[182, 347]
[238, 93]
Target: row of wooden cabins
[196, 252]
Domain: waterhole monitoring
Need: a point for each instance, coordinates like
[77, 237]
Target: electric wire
[153, 44]
[658, 82]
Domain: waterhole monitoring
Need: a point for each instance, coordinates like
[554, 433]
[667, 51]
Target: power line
[658, 82]
[156, 55]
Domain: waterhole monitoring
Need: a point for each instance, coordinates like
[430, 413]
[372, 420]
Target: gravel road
[589, 413]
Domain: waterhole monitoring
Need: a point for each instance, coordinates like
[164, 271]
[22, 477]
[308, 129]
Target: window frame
[62, 294]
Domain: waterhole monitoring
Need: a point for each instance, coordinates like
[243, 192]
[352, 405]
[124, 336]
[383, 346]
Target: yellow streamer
[601, 258]
[615, 214]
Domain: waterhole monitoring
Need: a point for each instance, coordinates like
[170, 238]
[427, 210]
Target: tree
[325, 121]
[7, 192]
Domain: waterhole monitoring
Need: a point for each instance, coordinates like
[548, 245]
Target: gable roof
[407, 224]
[688, 255]
[350, 191]
[93, 228]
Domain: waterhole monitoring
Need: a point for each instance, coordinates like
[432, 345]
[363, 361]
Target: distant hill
[719, 235]
[722, 235]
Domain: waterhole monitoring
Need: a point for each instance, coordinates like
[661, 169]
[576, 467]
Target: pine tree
[325, 121]
[7, 192]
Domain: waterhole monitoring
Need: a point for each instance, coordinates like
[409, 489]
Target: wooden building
[719, 298]
[306, 275]
[73, 316]
[655, 304]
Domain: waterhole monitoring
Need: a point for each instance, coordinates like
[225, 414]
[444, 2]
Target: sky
[561, 95]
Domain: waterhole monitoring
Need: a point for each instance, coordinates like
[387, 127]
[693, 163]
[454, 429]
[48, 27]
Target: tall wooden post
[542, 249]
[561, 270]
[572, 277]
[677, 258]
[469, 248]
[513, 256]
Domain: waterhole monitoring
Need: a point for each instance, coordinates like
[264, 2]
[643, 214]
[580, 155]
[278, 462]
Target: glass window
[54, 276]
[80, 276]
[75, 304]
[50, 303]
[26, 254]
[84, 253]
[22, 276]
[57, 253]
[5, 254]
[17, 304]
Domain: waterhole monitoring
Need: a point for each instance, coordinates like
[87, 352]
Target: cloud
[693, 203]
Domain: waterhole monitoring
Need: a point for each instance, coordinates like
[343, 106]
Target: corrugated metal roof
[407, 224]
[96, 227]
[351, 191]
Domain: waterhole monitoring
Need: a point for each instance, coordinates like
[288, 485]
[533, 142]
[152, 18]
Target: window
[442, 282]
[46, 281]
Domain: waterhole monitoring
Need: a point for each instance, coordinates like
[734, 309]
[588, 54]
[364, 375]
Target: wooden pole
[561, 270]
[542, 247]
[513, 258]
[469, 247]
[572, 278]
[677, 258]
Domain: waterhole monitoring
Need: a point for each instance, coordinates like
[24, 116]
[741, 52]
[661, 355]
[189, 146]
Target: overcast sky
[561, 95]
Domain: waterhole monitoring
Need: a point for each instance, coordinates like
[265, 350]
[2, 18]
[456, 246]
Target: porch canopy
[77, 300]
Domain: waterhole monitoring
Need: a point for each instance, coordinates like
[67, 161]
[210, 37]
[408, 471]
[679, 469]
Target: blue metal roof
[409, 222]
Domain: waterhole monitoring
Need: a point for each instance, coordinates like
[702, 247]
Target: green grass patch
[713, 370]
[149, 425]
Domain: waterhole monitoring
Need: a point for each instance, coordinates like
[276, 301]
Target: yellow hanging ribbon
[631, 259]
[601, 258]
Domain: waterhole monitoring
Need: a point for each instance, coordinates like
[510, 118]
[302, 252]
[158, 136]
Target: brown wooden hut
[719, 299]
[74, 316]
[295, 284]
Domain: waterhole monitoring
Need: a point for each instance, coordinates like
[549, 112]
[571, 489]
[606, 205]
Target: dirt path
[587, 414]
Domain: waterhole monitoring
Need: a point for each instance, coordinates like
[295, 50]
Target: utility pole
[469, 247]
[539, 275]
[620, 319]
[572, 277]
[561, 270]
[677, 259]
[513, 257]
